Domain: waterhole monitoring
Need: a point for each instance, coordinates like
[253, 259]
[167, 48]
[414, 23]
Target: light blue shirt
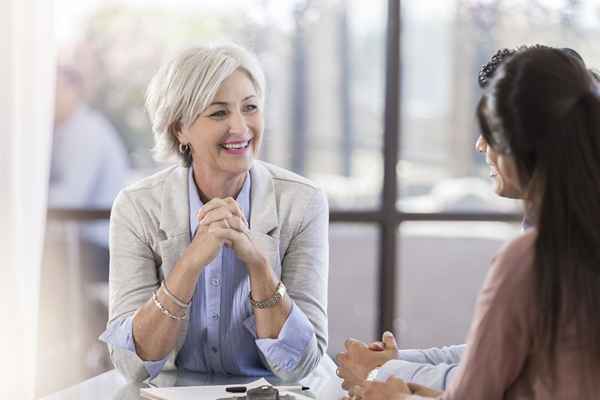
[221, 336]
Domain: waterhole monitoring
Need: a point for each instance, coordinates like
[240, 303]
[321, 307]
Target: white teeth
[236, 146]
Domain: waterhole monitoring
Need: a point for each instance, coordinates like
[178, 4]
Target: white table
[324, 384]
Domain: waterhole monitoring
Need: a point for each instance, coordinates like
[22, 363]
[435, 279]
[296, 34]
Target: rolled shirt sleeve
[432, 367]
[435, 376]
[119, 334]
[286, 351]
[434, 355]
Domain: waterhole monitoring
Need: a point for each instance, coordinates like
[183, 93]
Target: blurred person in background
[89, 165]
[535, 329]
[218, 264]
[434, 367]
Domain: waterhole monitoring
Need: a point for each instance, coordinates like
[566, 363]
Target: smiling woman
[226, 136]
[220, 264]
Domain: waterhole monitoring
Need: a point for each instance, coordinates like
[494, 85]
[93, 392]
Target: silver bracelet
[174, 298]
[164, 310]
[270, 302]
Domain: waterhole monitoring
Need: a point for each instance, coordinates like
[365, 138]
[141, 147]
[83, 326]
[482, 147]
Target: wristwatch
[270, 302]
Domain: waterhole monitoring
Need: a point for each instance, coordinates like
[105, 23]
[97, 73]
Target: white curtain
[26, 99]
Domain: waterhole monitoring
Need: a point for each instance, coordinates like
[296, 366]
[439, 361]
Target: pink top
[500, 362]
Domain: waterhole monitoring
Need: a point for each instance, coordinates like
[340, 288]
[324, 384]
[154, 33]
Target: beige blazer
[149, 230]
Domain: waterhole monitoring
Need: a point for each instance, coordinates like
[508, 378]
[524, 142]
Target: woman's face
[226, 137]
[502, 169]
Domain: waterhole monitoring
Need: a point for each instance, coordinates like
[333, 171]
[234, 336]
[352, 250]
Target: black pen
[243, 389]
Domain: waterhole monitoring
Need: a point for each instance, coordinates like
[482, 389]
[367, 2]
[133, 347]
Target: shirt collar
[243, 199]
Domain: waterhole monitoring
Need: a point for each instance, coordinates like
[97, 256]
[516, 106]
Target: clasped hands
[222, 222]
[359, 359]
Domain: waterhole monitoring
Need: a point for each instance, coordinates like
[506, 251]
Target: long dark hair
[543, 109]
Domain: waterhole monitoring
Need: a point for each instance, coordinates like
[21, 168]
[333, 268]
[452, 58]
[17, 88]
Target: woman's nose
[238, 123]
[480, 144]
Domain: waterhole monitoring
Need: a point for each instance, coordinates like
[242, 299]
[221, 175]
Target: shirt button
[215, 282]
[215, 317]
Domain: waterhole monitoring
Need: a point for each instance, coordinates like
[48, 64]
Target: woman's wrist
[259, 267]
[263, 281]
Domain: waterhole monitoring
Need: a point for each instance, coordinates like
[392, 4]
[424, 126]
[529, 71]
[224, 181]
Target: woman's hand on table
[392, 389]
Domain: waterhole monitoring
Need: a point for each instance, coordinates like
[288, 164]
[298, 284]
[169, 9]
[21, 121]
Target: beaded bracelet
[164, 310]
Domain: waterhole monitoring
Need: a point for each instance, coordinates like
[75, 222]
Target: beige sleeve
[305, 270]
[132, 280]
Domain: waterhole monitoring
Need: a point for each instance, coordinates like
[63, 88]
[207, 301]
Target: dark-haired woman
[536, 324]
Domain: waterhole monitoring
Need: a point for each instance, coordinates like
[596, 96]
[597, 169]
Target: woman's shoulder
[156, 180]
[294, 194]
[521, 246]
[514, 262]
[282, 176]
[149, 190]
[288, 184]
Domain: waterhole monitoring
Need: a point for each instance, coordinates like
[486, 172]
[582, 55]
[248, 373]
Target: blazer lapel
[263, 215]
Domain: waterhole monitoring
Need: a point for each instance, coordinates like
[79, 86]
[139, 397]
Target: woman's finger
[376, 346]
[211, 205]
[225, 234]
[221, 213]
[397, 385]
[235, 208]
[239, 225]
[356, 392]
[423, 390]
[228, 203]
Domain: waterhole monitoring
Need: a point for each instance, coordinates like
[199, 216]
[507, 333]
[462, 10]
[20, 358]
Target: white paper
[205, 392]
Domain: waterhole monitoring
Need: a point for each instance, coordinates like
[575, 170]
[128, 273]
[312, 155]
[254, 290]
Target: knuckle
[351, 344]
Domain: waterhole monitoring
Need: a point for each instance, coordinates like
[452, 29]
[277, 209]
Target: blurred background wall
[325, 66]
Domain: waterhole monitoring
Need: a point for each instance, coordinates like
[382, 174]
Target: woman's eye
[218, 114]
[251, 107]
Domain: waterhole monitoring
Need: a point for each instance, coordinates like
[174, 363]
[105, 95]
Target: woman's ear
[176, 131]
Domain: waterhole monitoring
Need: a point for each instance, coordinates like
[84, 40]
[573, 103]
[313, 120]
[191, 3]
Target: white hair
[184, 87]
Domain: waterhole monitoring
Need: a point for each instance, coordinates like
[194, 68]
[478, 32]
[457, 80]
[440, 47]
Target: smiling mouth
[236, 146]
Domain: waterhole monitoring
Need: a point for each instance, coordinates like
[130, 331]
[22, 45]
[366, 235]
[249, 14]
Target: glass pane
[324, 63]
[353, 295]
[436, 290]
[444, 45]
[73, 307]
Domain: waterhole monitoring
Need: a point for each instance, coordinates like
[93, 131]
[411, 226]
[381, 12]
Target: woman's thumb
[389, 340]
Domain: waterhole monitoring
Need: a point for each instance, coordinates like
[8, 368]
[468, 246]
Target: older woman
[218, 265]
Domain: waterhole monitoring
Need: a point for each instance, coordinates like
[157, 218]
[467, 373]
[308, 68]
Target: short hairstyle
[184, 87]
